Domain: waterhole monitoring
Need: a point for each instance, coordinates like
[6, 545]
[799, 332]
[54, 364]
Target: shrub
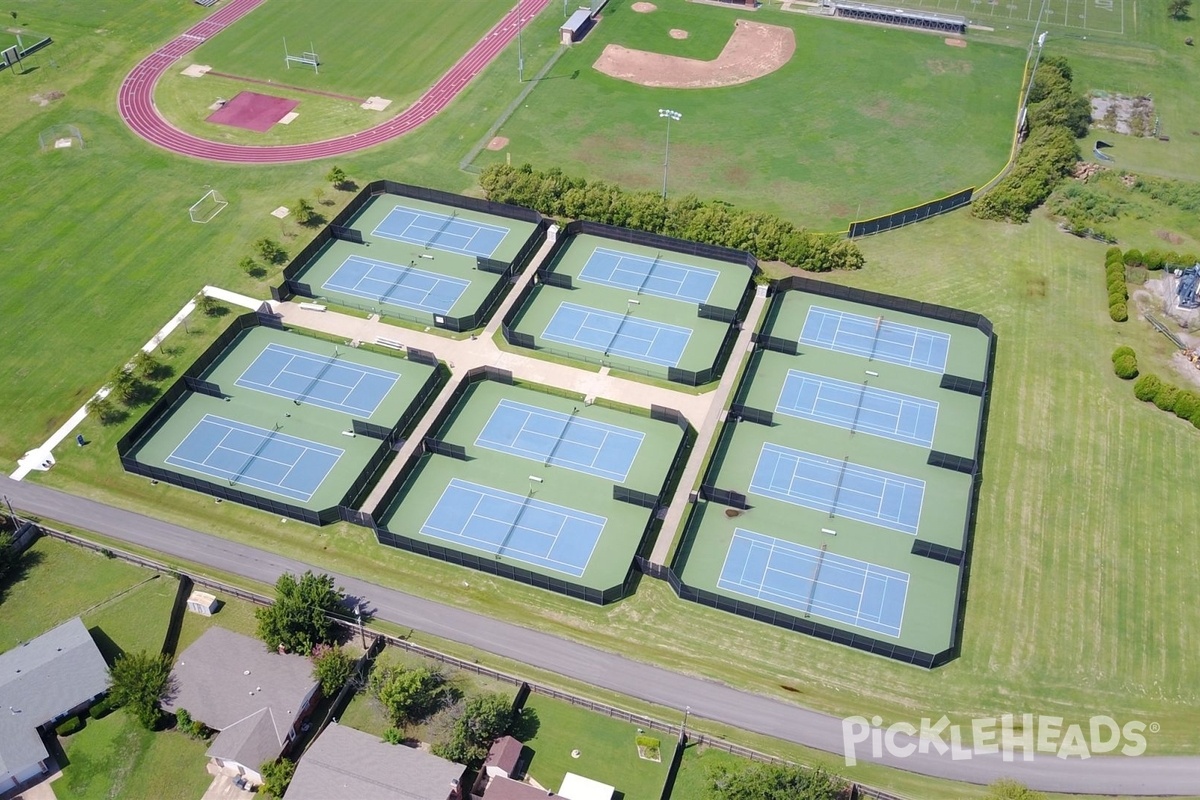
[1154, 259]
[1125, 363]
[102, 709]
[69, 726]
[1133, 258]
[1112, 251]
[1122, 350]
[1187, 404]
[1119, 311]
[1165, 398]
[1146, 388]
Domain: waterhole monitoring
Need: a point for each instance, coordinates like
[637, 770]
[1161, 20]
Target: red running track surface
[135, 101]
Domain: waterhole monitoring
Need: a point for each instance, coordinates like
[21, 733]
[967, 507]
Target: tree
[270, 251]
[249, 266]
[123, 385]
[1006, 789]
[207, 305]
[276, 776]
[332, 667]
[298, 620]
[408, 695]
[774, 782]
[485, 718]
[145, 366]
[304, 212]
[9, 557]
[105, 410]
[336, 176]
[319, 193]
[137, 682]
[1178, 9]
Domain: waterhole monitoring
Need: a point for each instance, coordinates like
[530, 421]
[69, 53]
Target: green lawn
[607, 750]
[692, 780]
[115, 757]
[233, 614]
[901, 119]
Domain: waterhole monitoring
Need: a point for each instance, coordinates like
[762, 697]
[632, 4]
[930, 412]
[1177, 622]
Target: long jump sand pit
[754, 50]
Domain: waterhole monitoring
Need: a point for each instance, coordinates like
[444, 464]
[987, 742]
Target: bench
[392, 343]
[312, 306]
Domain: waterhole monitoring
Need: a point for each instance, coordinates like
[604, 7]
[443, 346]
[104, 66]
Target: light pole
[520, 48]
[683, 728]
[670, 116]
[358, 609]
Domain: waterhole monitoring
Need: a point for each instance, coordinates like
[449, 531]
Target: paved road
[709, 700]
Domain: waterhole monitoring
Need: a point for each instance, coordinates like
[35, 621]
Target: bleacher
[909, 18]
[205, 3]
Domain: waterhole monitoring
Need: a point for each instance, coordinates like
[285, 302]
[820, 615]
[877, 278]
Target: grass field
[901, 119]
[1079, 546]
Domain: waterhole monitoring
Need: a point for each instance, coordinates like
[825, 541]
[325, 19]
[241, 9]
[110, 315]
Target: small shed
[577, 26]
[202, 603]
[577, 787]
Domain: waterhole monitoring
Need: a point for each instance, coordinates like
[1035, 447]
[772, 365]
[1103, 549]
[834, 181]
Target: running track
[135, 101]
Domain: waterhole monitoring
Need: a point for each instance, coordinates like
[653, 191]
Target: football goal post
[207, 207]
[60, 137]
[308, 58]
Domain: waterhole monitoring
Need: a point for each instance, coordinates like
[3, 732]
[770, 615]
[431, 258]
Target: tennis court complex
[323, 380]
[813, 581]
[273, 416]
[839, 488]
[839, 495]
[859, 407]
[417, 261]
[517, 478]
[876, 339]
[561, 440]
[644, 275]
[251, 456]
[396, 285]
[610, 333]
[441, 231]
[632, 307]
[521, 527]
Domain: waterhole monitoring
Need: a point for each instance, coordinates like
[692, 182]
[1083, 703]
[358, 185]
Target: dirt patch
[940, 66]
[498, 143]
[754, 50]
[44, 99]
[678, 34]
[1167, 236]
[644, 8]
[956, 42]
[736, 176]
[1132, 116]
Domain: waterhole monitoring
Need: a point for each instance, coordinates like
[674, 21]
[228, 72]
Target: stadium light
[520, 50]
[670, 116]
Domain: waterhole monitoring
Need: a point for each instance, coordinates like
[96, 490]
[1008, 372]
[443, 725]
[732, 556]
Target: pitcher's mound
[644, 8]
[956, 42]
[678, 34]
[498, 143]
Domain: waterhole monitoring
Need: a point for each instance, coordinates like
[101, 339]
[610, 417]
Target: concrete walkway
[707, 430]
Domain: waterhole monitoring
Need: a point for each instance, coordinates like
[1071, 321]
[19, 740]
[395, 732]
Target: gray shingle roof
[234, 684]
[40, 680]
[346, 764]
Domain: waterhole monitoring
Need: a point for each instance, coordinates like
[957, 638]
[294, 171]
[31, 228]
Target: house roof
[234, 684]
[504, 754]
[508, 789]
[347, 763]
[41, 680]
[577, 787]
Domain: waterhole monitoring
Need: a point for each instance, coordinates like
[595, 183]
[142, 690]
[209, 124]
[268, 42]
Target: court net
[858, 408]
[241, 473]
[515, 524]
[313, 383]
[812, 587]
[441, 230]
[875, 341]
[396, 283]
[837, 490]
[562, 435]
[649, 272]
[617, 332]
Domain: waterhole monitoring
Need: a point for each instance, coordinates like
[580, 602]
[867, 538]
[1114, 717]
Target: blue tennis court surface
[876, 338]
[839, 488]
[318, 380]
[246, 455]
[395, 285]
[561, 440]
[618, 334]
[515, 527]
[815, 582]
[858, 407]
[644, 275]
[446, 232]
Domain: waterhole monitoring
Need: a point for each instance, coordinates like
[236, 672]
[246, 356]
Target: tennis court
[815, 582]
[395, 285]
[839, 488]
[876, 338]
[306, 377]
[446, 232]
[618, 334]
[259, 457]
[653, 276]
[511, 526]
[858, 407]
[556, 439]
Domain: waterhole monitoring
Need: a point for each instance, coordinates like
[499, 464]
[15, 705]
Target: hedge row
[767, 236]
[1157, 259]
[69, 726]
[103, 708]
[1118, 291]
[1185, 403]
[1125, 363]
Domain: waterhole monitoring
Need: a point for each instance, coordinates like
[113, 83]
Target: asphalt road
[709, 700]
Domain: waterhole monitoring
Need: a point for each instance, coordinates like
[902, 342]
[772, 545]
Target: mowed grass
[116, 757]
[861, 121]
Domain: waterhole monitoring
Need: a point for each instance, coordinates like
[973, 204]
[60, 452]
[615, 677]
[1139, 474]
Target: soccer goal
[207, 207]
[60, 137]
